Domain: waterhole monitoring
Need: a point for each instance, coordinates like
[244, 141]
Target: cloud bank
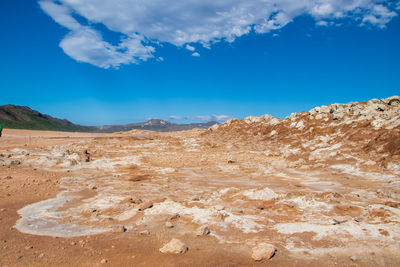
[143, 25]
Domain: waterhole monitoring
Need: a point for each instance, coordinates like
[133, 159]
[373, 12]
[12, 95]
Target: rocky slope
[21, 117]
[353, 135]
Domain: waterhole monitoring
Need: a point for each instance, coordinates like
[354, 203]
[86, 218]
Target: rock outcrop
[365, 134]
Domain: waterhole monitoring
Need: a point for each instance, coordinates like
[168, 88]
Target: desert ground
[321, 187]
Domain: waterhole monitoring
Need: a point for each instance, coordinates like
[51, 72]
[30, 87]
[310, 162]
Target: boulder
[175, 246]
[202, 230]
[263, 251]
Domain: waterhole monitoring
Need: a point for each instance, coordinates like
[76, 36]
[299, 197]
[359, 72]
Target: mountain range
[22, 117]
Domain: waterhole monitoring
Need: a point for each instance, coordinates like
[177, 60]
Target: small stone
[169, 225]
[82, 243]
[175, 216]
[202, 230]
[132, 200]
[144, 232]
[231, 159]
[263, 251]
[103, 261]
[93, 186]
[41, 255]
[119, 228]
[144, 205]
[236, 210]
[73, 243]
[29, 247]
[175, 246]
[353, 258]
[9, 177]
[358, 219]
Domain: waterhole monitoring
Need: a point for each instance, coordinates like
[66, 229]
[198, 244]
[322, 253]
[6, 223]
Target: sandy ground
[64, 198]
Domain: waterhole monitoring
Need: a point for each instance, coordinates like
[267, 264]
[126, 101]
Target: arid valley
[320, 187]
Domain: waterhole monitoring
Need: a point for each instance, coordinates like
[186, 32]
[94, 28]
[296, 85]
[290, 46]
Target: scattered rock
[236, 210]
[263, 251]
[9, 177]
[231, 159]
[337, 221]
[93, 186]
[202, 230]
[169, 225]
[144, 205]
[358, 219]
[353, 258]
[82, 243]
[132, 200]
[103, 261]
[175, 246]
[87, 156]
[119, 228]
[175, 216]
[144, 232]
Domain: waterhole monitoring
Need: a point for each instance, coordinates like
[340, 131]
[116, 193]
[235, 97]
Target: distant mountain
[21, 117]
[156, 125]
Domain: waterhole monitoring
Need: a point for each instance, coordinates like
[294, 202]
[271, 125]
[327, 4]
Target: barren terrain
[323, 187]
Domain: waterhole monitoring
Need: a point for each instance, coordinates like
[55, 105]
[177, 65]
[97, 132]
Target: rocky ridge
[364, 134]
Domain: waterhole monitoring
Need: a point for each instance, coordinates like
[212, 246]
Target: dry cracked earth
[319, 188]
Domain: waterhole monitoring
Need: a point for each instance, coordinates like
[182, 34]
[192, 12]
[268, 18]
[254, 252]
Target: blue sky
[95, 68]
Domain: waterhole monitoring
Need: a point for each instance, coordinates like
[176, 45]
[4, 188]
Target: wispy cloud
[195, 54]
[201, 118]
[144, 25]
[190, 48]
[177, 118]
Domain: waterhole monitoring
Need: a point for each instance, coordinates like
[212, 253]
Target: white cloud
[322, 23]
[190, 48]
[207, 118]
[202, 118]
[195, 54]
[379, 15]
[143, 25]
